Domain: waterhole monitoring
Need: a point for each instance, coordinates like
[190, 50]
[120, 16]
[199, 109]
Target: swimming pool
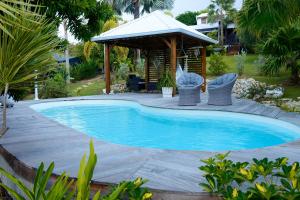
[129, 123]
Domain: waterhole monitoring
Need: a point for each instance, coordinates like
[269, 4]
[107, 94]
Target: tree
[134, 6]
[221, 11]
[257, 18]
[5, 7]
[84, 18]
[275, 26]
[190, 18]
[28, 50]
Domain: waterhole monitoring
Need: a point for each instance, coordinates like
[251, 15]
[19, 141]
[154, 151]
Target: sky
[180, 6]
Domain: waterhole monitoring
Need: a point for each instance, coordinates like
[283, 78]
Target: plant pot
[167, 92]
[104, 91]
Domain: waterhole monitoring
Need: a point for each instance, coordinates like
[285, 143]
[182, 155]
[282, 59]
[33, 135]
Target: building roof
[211, 26]
[154, 24]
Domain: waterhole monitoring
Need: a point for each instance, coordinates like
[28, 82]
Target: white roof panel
[155, 23]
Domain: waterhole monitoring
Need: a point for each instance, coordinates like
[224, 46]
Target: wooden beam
[173, 60]
[166, 42]
[203, 66]
[107, 67]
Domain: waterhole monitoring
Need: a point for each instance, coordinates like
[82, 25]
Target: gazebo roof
[151, 27]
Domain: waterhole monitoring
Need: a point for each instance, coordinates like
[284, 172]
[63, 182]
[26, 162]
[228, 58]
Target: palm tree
[275, 26]
[24, 49]
[258, 17]
[7, 9]
[134, 6]
[221, 11]
[283, 50]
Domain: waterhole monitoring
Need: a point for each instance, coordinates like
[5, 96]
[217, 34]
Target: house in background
[231, 40]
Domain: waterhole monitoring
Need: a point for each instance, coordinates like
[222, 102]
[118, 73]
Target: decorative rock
[252, 89]
[119, 88]
[275, 93]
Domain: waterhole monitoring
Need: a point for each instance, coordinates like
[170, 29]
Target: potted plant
[167, 83]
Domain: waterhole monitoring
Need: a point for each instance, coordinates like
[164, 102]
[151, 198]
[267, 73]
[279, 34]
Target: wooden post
[173, 61]
[107, 67]
[147, 69]
[203, 66]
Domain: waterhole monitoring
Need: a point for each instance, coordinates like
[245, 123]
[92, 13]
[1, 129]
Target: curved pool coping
[167, 170]
[168, 112]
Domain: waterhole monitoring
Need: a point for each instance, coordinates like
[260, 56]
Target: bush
[140, 68]
[85, 70]
[62, 188]
[122, 72]
[259, 64]
[260, 179]
[54, 87]
[240, 60]
[216, 64]
[167, 80]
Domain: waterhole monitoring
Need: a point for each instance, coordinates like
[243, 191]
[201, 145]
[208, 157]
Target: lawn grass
[92, 86]
[252, 71]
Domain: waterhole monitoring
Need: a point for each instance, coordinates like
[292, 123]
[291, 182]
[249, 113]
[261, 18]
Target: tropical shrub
[274, 28]
[63, 189]
[167, 80]
[54, 87]
[240, 60]
[84, 70]
[259, 64]
[123, 71]
[26, 43]
[216, 64]
[140, 68]
[260, 179]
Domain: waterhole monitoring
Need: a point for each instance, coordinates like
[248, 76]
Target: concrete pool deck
[33, 138]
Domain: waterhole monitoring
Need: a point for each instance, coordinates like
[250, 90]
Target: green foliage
[258, 18]
[259, 63]
[283, 49]
[123, 71]
[54, 87]
[213, 35]
[223, 11]
[188, 18]
[167, 80]
[84, 17]
[25, 49]
[260, 179]
[216, 64]
[140, 68]
[63, 189]
[274, 27]
[133, 7]
[240, 62]
[84, 70]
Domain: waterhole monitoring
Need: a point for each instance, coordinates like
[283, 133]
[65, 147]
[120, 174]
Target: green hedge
[84, 70]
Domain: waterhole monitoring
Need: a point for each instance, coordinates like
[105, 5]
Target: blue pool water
[128, 123]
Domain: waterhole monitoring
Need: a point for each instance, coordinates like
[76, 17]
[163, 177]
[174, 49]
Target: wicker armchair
[189, 85]
[219, 90]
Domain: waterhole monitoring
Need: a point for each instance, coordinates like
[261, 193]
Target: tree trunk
[137, 52]
[67, 52]
[136, 5]
[222, 33]
[4, 123]
[295, 75]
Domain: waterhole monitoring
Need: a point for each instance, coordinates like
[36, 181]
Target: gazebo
[164, 42]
